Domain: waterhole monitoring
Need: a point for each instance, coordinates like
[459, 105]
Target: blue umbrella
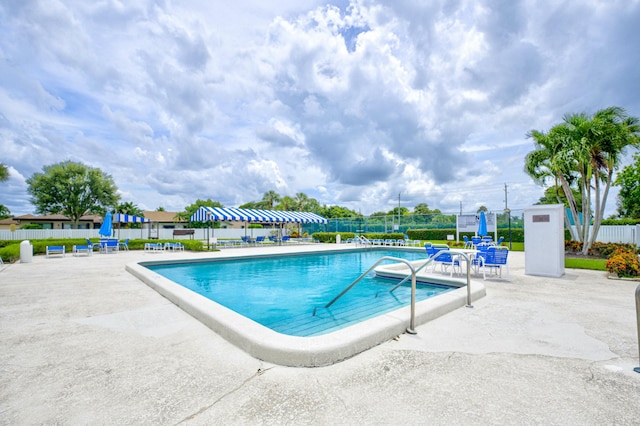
[107, 226]
[482, 225]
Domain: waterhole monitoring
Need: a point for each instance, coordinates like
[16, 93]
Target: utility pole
[508, 212]
[398, 211]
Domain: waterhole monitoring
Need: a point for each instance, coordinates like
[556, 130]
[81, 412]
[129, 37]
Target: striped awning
[216, 214]
[128, 218]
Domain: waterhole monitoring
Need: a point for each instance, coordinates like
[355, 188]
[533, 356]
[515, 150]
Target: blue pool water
[282, 292]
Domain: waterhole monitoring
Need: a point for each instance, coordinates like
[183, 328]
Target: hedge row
[330, 237]
[10, 250]
[517, 235]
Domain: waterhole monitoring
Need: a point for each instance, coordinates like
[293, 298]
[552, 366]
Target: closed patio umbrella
[107, 226]
[482, 224]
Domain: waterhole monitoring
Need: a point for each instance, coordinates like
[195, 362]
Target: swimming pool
[288, 293]
[271, 346]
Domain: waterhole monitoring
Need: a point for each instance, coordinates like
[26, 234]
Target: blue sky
[348, 102]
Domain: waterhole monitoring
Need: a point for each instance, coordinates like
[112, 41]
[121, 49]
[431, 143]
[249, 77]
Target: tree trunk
[575, 233]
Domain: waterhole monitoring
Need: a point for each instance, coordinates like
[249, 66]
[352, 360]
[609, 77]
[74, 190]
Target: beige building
[51, 221]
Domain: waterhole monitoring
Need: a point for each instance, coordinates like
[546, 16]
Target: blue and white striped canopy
[206, 214]
[129, 218]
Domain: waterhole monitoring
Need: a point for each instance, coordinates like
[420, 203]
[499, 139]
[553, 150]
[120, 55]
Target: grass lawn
[569, 262]
[593, 264]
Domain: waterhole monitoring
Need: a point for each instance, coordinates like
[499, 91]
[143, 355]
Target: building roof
[95, 218]
[156, 216]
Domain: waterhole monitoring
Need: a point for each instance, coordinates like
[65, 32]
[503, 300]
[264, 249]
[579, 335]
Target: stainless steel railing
[411, 328]
[637, 369]
[431, 260]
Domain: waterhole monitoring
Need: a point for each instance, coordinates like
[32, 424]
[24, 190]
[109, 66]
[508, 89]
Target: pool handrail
[411, 328]
[637, 369]
[362, 240]
[430, 260]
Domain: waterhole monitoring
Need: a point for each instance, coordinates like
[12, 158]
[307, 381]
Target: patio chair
[493, 260]
[175, 247]
[93, 245]
[80, 250]
[109, 246]
[55, 250]
[467, 243]
[124, 245]
[476, 240]
[500, 240]
[445, 260]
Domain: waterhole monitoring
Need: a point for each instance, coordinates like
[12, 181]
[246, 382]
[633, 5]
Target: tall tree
[72, 189]
[629, 194]
[270, 198]
[555, 195]
[4, 212]
[302, 200]
[4, 176]
[584, 150]
[287, 203]
[4, 172]
[192, 208]
[130, 209]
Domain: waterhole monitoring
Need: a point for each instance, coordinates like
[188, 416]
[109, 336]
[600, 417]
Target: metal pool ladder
[411, 328]
[430, 260]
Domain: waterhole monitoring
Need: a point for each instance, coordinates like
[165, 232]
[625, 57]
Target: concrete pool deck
[85, 342]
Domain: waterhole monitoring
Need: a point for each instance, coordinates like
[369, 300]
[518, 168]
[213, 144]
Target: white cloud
[350, 102]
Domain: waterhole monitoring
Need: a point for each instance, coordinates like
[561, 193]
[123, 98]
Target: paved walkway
[84, 342]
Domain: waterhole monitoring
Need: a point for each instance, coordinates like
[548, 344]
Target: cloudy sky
[351, 102]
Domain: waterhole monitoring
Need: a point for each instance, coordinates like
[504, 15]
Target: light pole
[508, 212]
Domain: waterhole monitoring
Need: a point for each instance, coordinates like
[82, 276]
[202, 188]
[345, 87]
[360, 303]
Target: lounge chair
[153, 247]
[124, 244]
[109, 246]
[260, 239]
[476, 262]
[93, 245]
[493, 260]
[445, 260]
[467, 244]
[174, 246]
[286, 238]
[500, 240]
[55, 250]
[80, 250]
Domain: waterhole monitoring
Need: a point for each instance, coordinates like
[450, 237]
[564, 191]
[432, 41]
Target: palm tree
[585, 151]
[270, 198]
[287, 203]
[4, 172]
[301, 201]
[546, 162]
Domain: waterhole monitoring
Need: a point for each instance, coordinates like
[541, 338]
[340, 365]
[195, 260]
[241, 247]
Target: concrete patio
[85, 342]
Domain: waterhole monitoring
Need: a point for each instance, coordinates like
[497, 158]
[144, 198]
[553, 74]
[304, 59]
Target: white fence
[629, 234]
[134, 234]
[626, 234]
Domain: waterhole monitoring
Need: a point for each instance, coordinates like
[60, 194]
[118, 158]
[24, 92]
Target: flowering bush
[624, 263]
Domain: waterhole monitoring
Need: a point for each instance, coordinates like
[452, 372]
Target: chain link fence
[393, 223]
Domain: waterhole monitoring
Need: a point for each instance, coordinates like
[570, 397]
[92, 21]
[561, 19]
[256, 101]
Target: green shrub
[624, 263]
[10, 253]
[517, 234]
